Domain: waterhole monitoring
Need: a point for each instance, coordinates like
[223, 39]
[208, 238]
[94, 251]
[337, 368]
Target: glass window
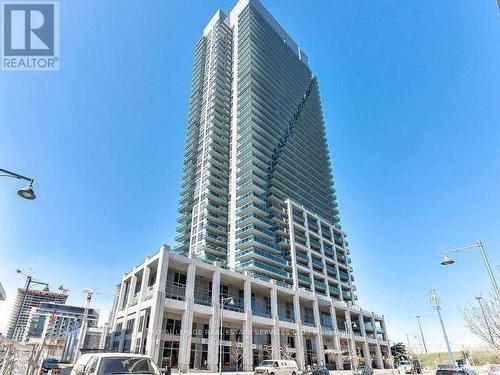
[127, 365]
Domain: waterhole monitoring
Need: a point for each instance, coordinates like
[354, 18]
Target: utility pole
[479, 300]
[421, 333]
[83, 326]
[436, 304]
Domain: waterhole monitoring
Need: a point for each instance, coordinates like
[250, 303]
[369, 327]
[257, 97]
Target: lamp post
[29, 281]
[447, 260]
[479, 300]
[223, 301]
[421, 333]
[25, 192]
[436, 304]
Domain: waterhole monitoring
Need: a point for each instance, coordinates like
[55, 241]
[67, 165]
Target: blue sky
[411, 98]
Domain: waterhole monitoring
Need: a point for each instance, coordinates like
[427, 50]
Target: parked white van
[277, 367]
[116, 363]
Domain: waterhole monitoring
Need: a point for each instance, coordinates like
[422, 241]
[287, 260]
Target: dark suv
[49, 364]
[456, 371]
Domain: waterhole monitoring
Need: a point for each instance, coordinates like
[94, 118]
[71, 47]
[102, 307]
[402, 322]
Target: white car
[84, 358]
[277, 367]
[116, 364]
[406, 366]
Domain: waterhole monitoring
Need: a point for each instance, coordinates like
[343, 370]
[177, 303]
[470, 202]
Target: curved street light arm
[480, 247]
[15, 175]
[461, 249]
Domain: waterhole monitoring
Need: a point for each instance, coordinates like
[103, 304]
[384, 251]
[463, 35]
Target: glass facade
[256, 137]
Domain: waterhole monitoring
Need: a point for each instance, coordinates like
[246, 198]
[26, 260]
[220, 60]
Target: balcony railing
[266, 313]
[286, 319]
[175, 291]
[203, 297]
[369, 327]
[238, 306]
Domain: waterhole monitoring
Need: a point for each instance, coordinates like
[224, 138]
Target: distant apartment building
[54, 320]
[3, 295]
[258, 221]
[23, 304]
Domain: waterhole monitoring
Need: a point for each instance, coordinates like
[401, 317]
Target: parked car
[277, 367]
[407, 366]
[49, 364]
[117, 364]
[83, 360]
[455, 371]
[493, 369]
[316, 370]
[363, 370]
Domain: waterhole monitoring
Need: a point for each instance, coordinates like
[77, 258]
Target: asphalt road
[65, 371]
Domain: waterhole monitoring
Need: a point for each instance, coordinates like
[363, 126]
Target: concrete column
[158, 306]
[299, 339]
[213, 332]
[350, 339]
[366, 347]
[275, 335]
[247, 327]
[187, 320]
[142, 293]
[144, 282]
[121, 296]
[122, 336]
[336, 338]
[133, 283]
[379, 358]
[320, 349]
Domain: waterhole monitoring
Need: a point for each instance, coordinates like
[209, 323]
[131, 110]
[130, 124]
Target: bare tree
[286, 351]
[236, 354]
[484, 320]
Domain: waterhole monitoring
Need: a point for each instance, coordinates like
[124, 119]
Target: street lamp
[29, 281]
[230, 301]
[447, 260]
[25, 192]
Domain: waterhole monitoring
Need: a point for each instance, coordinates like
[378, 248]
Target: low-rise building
[169, 308]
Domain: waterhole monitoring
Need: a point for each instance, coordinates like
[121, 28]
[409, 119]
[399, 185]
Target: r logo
[29, 29]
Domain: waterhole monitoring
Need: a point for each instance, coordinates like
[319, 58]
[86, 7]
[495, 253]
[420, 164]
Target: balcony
[319, 285]
[175, 291]
[331, 271]
[304, 278]
[238, 306]
[347, 295]
[318, 263]
[265, 313]
[334, 290]
[202, 297]
[369, 327]
[302, 255]
[344, 276]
